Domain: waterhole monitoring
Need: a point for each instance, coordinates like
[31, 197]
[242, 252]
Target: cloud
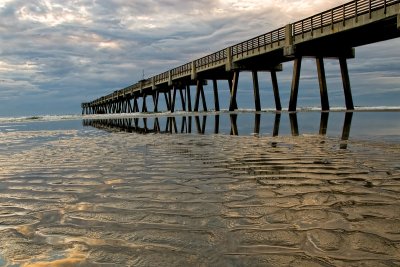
[80, 50]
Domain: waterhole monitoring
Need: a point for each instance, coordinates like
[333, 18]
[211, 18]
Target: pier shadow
[232, 124]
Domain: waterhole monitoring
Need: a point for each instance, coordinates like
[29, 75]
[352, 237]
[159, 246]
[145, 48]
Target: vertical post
[129, 106]
[216, 98]
[256, 90]
[197, 97]
[234, 87]
[322, 83]
[167, 103]
[346, 83]
[370, 8]
[173, 99]
[295, 84]
[188, 98]
[144, 107]
[183, 102]
[203, 97]
[275, 88]
[155, 100]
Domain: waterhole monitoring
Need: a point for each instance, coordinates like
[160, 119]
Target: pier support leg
[129, 105]
[203, 97]
[275, 88]
[182, 99]
[322, 84]
[295, 84]
[188, 98]
[173, 99]
[256, 90]
[155, 94]
[346, 83]
[234, 86]
[167, 103]
[144, 107]
[216, 98]
[200, 93]
[135, 104]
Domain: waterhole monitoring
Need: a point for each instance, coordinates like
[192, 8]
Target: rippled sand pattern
[125, 199]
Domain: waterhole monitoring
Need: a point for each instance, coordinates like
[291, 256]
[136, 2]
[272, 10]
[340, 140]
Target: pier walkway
[331, 34]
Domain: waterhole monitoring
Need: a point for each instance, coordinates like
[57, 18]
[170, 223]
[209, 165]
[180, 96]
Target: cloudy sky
[56, 54]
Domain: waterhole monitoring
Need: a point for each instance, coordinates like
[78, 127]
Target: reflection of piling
[257, 122]
[175, 125]
[276, 124]
[323, 126]
[346, 129]
[234, 129]
[293, 124]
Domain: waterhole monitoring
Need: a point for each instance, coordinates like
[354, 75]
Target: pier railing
[340, 14]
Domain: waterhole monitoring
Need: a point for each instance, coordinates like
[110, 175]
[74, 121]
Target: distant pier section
[331, 34]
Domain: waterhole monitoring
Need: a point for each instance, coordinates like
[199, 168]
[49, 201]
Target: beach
[298, 192]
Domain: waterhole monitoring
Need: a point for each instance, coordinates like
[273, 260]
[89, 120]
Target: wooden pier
[331, 34]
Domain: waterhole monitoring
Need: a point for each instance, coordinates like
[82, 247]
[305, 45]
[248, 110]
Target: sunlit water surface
[304, 191]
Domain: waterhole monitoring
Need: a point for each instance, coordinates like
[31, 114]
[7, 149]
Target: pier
[334, 33]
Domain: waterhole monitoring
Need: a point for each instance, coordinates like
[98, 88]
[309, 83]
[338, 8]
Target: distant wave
[182, 113]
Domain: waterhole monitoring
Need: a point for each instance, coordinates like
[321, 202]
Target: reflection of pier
[197, 124]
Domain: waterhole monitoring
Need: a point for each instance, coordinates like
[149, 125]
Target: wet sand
[126, 199]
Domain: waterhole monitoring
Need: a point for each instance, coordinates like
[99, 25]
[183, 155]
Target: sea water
[201, 189]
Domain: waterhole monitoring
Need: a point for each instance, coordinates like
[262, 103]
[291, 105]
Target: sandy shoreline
[210, 200]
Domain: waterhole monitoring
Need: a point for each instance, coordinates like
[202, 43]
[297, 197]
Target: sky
[55, 54]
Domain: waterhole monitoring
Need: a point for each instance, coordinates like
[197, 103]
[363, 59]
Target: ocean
[201, 189]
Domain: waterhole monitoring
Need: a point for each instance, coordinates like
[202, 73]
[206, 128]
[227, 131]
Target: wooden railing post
[356, 3]
[369, 8]
[385, 7]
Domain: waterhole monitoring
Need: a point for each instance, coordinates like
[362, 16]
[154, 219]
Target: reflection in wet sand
[200, 200]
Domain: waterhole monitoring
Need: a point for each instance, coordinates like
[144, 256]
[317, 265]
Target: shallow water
[324, 194]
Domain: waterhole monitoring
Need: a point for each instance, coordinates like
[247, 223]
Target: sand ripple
[179, 200]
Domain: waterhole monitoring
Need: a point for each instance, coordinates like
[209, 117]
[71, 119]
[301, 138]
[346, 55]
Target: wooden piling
[173, 99]
[322, 84]
[144, 106]
[216, 98]
[188, 98]
[256, 90]
[234, 86]
[182, 99]
[295, 84]
[275, 88]
[346, 83]
[155, 100]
